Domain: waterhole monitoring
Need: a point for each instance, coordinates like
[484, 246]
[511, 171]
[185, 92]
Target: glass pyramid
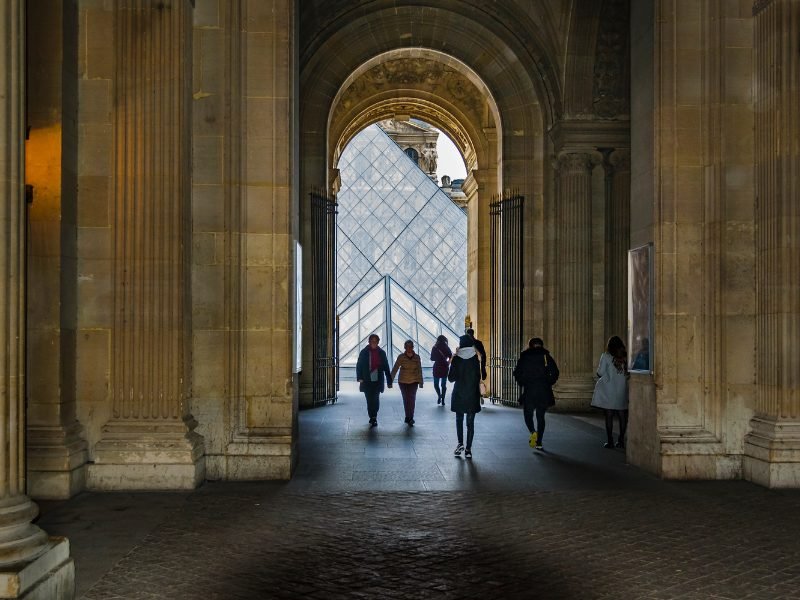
[394, 220]
[387, 301]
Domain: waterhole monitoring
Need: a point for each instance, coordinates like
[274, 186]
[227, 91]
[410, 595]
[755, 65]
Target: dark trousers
[470, 428]
[409, 393]
[622, 416]
[440, 391]
[373, 395]
[527, 411]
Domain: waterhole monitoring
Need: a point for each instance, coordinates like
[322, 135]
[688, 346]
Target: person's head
[466, 341]
[409, 346]
[373, 341]
[616, 347]
[441, 340]
[535, 342]
[471, 332]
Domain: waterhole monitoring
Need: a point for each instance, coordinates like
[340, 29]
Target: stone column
[772, 448]
[573, 345]
[31, 565]
[618, 223]
[149, 442]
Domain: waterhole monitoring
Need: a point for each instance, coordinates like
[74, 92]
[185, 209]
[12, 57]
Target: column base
[49, 576]
[147, 456]
[772, 453]
[574, 393]
[260, 458]
[56, 462]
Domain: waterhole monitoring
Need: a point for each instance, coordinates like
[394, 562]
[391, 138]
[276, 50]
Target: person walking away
[611, 389]
[479, 348]
[465, 401]
[440, 355]
[410, 366]
[536, 372]
[371, 369]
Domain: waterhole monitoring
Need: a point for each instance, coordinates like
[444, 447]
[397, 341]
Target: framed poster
[298, 307]
[640, 308]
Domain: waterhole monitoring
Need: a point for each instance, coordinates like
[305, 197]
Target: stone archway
[350, 78]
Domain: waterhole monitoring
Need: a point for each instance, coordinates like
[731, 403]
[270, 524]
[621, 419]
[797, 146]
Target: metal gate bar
[323, 289]
[506, 342]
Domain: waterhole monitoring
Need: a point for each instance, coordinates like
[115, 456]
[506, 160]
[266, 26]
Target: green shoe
[532, 440]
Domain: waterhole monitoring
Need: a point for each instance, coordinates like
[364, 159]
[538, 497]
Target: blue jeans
[470, 428]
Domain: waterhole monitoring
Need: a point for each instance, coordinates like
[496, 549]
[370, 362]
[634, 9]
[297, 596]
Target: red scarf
[374, 359]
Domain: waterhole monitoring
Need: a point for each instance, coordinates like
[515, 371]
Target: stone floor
[390, 513]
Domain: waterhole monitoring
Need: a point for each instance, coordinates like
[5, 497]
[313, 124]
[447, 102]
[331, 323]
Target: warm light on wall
[43, 170]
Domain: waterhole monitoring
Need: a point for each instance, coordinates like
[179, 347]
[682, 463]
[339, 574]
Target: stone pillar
[573, 345]
[56, 451]
[772, 448]
[31, 565]
[618, 223]
[149, 441]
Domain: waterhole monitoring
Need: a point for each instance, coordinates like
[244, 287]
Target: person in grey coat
[465, 374]
[611, 389]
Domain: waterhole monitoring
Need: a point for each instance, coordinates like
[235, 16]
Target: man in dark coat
[371, 369]
[465, 373]
[536, 372]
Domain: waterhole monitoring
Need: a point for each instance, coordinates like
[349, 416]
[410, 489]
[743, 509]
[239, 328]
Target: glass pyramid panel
[395, 221]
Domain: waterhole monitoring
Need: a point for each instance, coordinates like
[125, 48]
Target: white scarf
[466, 353]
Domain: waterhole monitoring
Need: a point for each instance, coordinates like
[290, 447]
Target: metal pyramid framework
[394, 220]
[387, 302]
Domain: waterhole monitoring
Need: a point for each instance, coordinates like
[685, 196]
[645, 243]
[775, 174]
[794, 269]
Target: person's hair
[535, 341]
[407, 342]
[471, 332]
[616, 348]
[441, 340]
[374, 335]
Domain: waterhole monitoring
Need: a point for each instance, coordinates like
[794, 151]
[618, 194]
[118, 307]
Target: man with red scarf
[372, 369]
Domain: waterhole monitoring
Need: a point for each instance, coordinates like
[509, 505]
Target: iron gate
[506, 216]
[323, 290]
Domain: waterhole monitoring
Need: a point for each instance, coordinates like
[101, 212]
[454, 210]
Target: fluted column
[22, 544]
[149, 442]
[573, 349]
[618, 220]
[772, 448]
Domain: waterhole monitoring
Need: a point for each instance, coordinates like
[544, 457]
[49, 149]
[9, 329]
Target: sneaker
[373, 422]
[411, 422]
[620, 444]
[609, 445]
[467, 453]
[539, 446]
[459, 449]
[533, 438]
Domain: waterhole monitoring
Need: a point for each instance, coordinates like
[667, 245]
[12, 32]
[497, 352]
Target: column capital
[577, 162]
[617, 160]
[760, 5]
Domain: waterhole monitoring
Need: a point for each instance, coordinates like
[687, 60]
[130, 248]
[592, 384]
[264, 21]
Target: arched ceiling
[418, 83]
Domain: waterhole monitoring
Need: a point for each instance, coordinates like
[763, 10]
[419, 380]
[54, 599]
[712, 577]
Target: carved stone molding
[576, 162]
[611, 93]
[760, 5]
[412, 73]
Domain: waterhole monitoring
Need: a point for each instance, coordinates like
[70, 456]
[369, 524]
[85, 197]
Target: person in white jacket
[611, 389]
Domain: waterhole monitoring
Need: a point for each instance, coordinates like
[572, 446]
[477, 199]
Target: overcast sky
[449, 162]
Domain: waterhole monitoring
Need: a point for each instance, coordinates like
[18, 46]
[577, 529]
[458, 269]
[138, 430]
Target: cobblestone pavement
[392, 514]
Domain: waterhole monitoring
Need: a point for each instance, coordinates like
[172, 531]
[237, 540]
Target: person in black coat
[479, 348]
[465, 374]
[371, 370]
[536, 372]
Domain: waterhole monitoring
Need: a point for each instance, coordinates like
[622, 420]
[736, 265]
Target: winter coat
[536, 372]
[611, 390]
[410, 369]
[481, 356]
[465, 373]
[440, 355]
[362, 369]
